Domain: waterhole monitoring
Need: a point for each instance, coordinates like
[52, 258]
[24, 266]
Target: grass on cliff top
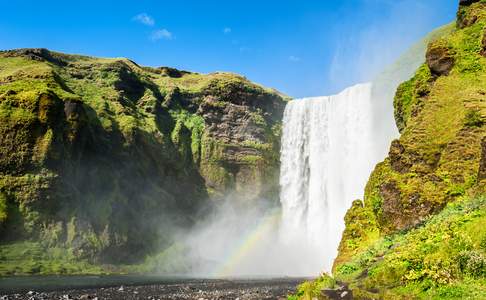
[93, 80]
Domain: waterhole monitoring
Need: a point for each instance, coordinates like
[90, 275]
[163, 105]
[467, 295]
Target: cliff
[419, 233]
[437, 161]
[102, 158]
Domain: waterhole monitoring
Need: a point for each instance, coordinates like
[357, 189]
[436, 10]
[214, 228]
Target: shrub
[3, 208]
[473, 118]
[472, 263]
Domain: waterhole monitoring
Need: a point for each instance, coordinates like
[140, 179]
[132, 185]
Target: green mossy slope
[437, 158]
[419, 232]
[443, 258]
[104, 158]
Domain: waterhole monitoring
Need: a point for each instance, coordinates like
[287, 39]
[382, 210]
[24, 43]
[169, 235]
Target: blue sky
[300, 47]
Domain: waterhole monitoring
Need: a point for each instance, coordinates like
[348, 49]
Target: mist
[364, 50]
[243, 240]
[299, 235]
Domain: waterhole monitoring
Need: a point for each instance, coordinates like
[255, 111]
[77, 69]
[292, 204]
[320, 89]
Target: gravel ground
[191, 289]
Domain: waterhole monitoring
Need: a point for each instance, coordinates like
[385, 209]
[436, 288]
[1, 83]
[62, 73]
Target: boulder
[439, 60]
[341, 293]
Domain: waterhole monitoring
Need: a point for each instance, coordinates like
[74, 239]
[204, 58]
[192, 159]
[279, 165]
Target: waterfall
[326, 157]
[329, 147]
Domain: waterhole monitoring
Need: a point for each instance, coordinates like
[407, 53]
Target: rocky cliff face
[104, 157]
[438, 160]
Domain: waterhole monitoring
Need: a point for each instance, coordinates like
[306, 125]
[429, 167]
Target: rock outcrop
[482, 163]
[467, 16]
[439, 59]
[431, 164]
[467, 2]
[103, 157]
[437, 163]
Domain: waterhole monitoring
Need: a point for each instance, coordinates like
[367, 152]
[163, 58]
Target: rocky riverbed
[189, 289]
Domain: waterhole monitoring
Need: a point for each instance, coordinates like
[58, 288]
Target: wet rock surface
[341, 293]
[195, 289]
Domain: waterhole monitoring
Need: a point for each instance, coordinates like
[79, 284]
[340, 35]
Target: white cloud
[144, 19]
[245, 49]
[227, 30]
[294, 58]
[161, 34]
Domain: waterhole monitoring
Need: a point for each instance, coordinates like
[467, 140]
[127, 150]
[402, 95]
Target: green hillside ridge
[419, 233]
[386, 83]
[100, 159]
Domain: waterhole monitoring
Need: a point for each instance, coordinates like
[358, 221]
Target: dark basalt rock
[439, 60]
[482, 163]
[129, 84]
[72, 109]
[466, 16]
[396, 161]
[39, 54]
[467, 2]
[167, 71]
[173, 73]
[341, 293]
[401, 212]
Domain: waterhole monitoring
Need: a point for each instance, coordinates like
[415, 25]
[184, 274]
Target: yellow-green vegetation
[419, 232]
[3, 208]
[409, 94]
[360, 232]
[443, 258]
[407, 63]
[27, 258]
[437, 156]
[104, 158]
[312, 289]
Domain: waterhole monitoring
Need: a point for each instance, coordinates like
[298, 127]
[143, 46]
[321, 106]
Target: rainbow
[251, 240]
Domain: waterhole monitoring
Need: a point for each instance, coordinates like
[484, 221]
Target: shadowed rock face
[38, 54]
[467, 2]
[440, 112]
[104, 158]
[469, 12]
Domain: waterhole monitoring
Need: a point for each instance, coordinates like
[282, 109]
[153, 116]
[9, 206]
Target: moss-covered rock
[103, 158]
[439, 58]
[443, 258]
[392, 248]
[467, 16]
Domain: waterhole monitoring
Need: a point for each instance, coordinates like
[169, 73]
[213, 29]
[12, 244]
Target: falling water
[329, 148]
[326, 158]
